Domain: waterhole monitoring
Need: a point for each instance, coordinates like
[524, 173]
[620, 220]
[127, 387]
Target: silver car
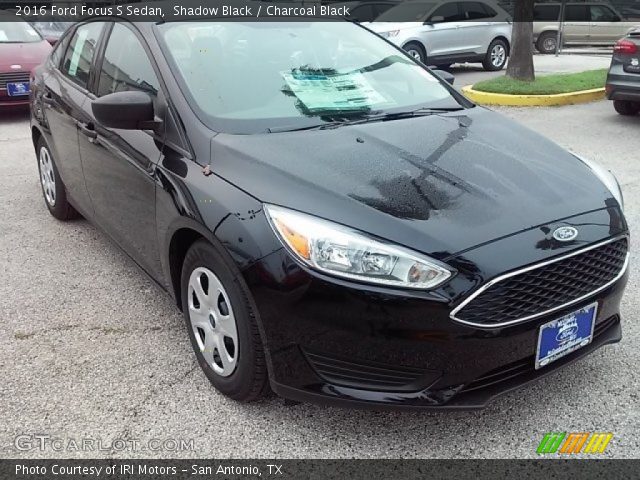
[595, 23]
[445, 32]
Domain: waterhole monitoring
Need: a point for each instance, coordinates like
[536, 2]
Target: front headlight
[608, 178]
[390, 34]
[344, 252]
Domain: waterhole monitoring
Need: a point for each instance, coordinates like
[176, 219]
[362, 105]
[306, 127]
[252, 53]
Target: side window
[490, 11]
[446, 13]
[546, 13]
[473, 11]
[126, 65]
[380, 8]
[600, 13]
[76, 64]
[577, 13]
[59, 50]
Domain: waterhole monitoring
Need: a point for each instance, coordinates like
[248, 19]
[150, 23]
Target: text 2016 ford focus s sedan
[336, 222]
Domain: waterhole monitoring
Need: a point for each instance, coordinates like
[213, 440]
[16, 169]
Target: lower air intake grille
[361, 375]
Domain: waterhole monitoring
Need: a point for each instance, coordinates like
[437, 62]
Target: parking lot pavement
[92, 349]
[470, 73]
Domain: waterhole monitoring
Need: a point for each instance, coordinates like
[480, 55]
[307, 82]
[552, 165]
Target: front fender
[213, 208]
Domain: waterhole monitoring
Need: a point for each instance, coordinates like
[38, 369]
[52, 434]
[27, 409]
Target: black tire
[57, 204]
[249, 380]
[546, 43]
[417, 51]
[501, 50]
[625, 107]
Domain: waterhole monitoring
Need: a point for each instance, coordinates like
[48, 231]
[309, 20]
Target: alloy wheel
[549, 44]
[213, 321]
[498, 55]
[415, 54]
[47, 177]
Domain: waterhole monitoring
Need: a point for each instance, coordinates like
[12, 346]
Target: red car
[22, 49]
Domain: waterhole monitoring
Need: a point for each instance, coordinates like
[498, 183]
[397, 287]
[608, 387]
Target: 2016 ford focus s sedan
[336, 222]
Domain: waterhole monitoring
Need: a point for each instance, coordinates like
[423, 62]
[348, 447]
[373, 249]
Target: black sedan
[623, 80]
[336, 222]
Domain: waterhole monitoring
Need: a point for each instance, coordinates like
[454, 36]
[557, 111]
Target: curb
[486, 98]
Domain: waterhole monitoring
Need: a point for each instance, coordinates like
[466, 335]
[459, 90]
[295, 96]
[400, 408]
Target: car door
[606, 26]
[120, 165]
[441, 32]
[476, 29]
[64, 94]
[577, 24]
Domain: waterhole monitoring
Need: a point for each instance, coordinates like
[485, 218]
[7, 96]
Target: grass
[545, 85]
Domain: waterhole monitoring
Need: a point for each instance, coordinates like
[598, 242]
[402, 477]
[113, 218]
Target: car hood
[27, 55]
[439, 184]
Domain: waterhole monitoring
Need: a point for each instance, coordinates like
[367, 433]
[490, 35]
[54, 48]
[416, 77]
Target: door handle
[87, 129]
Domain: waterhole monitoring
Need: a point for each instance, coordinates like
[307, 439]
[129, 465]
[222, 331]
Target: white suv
[445, 32]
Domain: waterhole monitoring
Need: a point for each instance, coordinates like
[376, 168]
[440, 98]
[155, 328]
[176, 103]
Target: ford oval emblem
[567, 334]
[565, 234]
[15, 67]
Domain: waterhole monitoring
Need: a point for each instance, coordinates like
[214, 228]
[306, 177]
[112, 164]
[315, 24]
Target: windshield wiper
[420, 112]
[319, 126]
[383, 117]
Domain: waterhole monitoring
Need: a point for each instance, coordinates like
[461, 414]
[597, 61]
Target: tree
[521, 56]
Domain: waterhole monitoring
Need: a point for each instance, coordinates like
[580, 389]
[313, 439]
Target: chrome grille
[542, 289]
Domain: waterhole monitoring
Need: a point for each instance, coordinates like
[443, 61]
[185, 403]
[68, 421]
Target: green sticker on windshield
[334, 91]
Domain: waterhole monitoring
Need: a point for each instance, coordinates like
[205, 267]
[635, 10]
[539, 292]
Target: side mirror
[125, 110]
[436, 19]
[446, 76]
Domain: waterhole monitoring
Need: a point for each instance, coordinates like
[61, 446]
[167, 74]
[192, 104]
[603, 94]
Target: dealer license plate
[564, 335]
[17, 89]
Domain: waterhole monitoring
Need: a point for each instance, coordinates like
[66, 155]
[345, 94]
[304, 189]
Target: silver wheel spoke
[199, 319]
[203, 298]
[210, 346]
[228, 362]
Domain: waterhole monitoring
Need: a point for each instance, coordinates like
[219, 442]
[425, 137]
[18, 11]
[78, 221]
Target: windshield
[254, 77]
[18, 32]
[407, 12]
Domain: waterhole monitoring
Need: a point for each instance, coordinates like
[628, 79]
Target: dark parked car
[335, 221]
[623, 80]
[21, 50]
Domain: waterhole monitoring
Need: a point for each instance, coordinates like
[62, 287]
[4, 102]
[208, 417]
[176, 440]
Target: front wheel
[416, 50]
[222, 324]
[496, 56]
[625, 107]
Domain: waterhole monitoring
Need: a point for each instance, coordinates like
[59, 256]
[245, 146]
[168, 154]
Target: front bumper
[334, 342]
[7, 101]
